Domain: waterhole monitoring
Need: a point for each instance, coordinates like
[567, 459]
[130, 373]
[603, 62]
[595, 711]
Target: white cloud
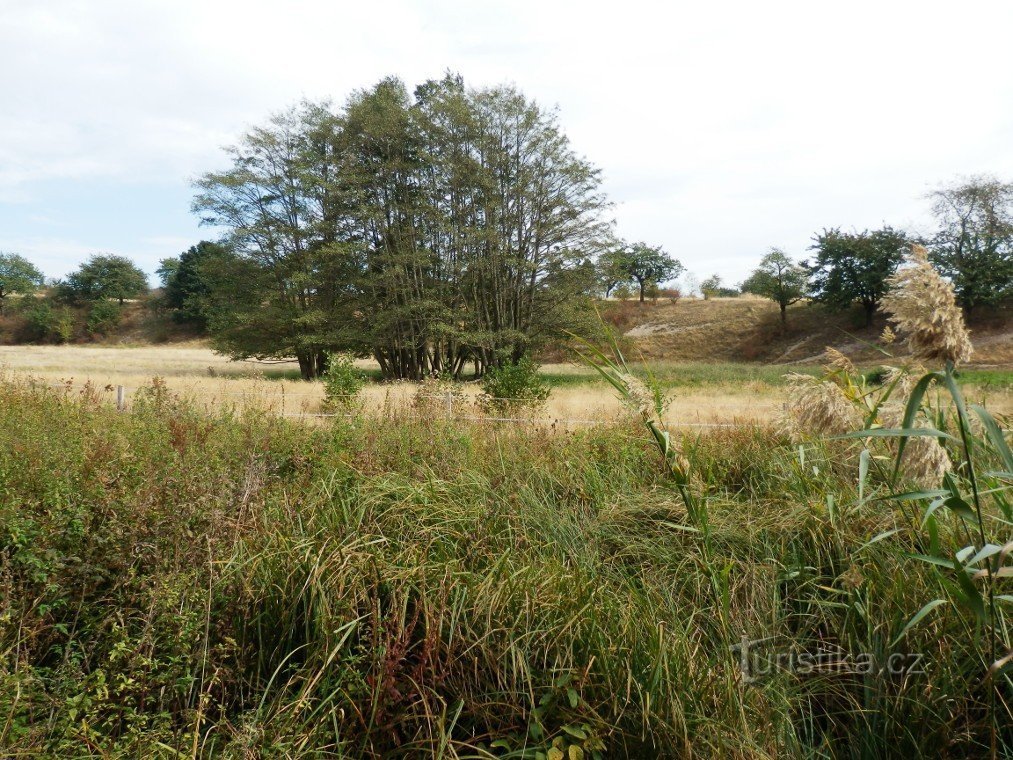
[722, 128]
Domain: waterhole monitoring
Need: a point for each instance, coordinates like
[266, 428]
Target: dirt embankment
[750, 329]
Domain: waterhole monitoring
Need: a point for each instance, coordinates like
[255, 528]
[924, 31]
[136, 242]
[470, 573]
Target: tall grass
[177, 584]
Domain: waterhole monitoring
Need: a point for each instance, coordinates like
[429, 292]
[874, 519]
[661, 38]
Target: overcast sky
[722, 128]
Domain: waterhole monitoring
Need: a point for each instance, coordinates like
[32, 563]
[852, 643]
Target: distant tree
[622, 292]
[187, 280]
[646, 264]
[613, 270]
[711, 286]
[672, 294]
[973, 245]
[778, 278]
[106, 276]
[852, 267]
[17, 275]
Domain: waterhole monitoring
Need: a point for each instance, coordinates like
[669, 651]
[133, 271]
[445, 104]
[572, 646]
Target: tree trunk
[870, 309]
[307, 368]
[784, 314]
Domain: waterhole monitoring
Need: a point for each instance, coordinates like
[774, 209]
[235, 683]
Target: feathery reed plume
[888, 336]
[816, 406]
[926, 461]
[922, 306]
[835, 360]
[638, 396]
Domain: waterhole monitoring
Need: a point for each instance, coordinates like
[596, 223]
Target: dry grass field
[701, 394]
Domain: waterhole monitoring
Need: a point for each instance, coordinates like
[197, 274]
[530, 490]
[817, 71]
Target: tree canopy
[427, 230]
[853, 267]
[187, 280]
[639, 263]
[778, 278]
[17, 275]
[973, 244]
[106, 276]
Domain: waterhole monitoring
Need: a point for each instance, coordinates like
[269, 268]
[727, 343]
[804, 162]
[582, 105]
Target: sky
[721, 128]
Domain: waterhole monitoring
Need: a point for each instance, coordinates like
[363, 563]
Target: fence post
[449, 405]
[121, 398]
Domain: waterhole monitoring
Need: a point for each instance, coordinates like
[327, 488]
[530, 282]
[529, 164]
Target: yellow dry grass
[195, 371]
[749, 329]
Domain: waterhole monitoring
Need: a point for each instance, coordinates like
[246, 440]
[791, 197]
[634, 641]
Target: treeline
[97, 291]
[432, 230]
[972, 246]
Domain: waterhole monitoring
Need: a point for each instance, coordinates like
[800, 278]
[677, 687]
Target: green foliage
[342, 381]
[188, 280]
[105, 276]
[48, 323]
[973, 245]
[513, 386]
[638, 262]
[852, 267]
[389, 227]
[17, 275]
[778, 278]
[711, 287]
[171, 579]
[103, 317]
[622, 292]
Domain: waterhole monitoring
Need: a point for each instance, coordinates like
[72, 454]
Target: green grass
[176, 584]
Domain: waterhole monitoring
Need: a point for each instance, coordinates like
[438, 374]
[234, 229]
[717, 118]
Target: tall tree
[973, 245]
[106, 276]
[17, 275]
[276, 201]
[431, 230]
[778, 278]
[852, 267]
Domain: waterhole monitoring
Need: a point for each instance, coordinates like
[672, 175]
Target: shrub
[431, 396]
[512, 387]
[45, 323]
[103, 317]
[672, 294]
[342, 381]
[622, 292]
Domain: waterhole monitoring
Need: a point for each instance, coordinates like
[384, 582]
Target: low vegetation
[233, 584]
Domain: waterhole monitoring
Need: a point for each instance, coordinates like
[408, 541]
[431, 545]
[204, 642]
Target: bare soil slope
[749, 329]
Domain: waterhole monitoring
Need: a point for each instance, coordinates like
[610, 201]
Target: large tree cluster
[432, 231]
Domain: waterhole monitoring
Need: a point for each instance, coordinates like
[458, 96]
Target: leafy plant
[342, 382]
[103, 317]
[44, 322]
[513, 387]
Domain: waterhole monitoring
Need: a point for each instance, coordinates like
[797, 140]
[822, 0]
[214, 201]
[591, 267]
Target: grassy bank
[174, 584]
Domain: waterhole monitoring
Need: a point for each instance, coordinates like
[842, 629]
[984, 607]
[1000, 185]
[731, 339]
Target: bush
[672, 294]
[103, 317]
[430, 398]
[44, 323]
[512, 387]
[622, 292]
[342, 382]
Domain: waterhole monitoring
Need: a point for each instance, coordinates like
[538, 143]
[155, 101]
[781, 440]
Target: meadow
[701, 393]
[216, 580]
